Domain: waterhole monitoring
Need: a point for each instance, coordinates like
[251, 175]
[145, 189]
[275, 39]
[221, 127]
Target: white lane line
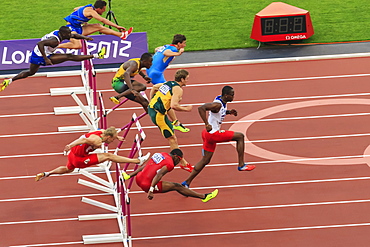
[36, 221]
[279, 80]
[28, 155]
[202, 188]
[205, 211]
[201, 124]
[49, 244]
[51, 197]
[252, 231]
[251, 208]
[272, 184]
[24, 95]
[233, 82]
[42, 134]
[234, 102]
[27, 114]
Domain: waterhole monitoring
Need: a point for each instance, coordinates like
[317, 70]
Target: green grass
[216, 24]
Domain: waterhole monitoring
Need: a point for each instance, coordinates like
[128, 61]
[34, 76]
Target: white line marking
[232, 82]
[24, 95]
[49, 244]
[251, 208]
[27, 114]
[36, 221]
[252, 231]
[50, 197]
[271, 184]
[42, 134]
[204, 211]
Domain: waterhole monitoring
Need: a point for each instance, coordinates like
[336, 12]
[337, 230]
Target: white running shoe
[143, 159]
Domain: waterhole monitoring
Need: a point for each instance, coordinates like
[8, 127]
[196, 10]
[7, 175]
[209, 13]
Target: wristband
[151, 189]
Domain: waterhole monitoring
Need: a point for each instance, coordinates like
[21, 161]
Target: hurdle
[89, 112]
[121, 209]
[123, 191]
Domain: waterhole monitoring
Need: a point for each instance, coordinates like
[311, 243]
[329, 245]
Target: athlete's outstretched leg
[170, 186]
[58, 170]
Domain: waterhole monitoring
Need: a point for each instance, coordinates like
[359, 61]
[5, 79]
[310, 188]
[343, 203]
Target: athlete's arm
[92, 140]
[145, 77]
[156, 179]
[176, 98]
[90, 12]
[134, 173]
[169, 53]
[155, 89]
[52, 42]
[202, 110]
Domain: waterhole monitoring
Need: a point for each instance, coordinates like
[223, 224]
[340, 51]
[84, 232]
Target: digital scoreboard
[281, 22]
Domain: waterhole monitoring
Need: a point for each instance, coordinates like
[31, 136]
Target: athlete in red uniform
[80, 155]
[148, 177]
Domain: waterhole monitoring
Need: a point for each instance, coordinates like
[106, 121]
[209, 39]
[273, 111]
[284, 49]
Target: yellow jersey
[161, 101]
[121, 69]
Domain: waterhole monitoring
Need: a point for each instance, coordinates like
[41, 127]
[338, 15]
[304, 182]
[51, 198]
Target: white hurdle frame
[118, 190]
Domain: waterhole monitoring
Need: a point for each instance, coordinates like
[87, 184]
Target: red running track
[309, 187]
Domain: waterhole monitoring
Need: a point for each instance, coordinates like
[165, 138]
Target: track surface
[307, 133]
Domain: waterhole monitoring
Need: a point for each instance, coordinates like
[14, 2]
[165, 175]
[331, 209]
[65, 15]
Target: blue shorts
[37, 59]
[157, 76]
[77, 29]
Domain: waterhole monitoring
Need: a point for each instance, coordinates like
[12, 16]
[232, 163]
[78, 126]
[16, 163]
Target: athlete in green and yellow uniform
[124, 83]
[167, 97]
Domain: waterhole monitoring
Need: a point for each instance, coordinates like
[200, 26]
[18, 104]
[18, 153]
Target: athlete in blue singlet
[163, 57]
[77, 18]
[77, 21]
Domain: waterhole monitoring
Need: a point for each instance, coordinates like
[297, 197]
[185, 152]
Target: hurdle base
[68, 110]
[73, 128]
[97, 217]
[67, 91]
[102, 238]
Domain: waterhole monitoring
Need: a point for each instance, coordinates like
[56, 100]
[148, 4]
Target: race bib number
[157, 158]
[164, 89]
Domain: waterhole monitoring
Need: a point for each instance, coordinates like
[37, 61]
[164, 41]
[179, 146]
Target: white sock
[46, 174]
[96, 55]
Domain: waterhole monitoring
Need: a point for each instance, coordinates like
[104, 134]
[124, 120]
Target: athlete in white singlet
[213, 134]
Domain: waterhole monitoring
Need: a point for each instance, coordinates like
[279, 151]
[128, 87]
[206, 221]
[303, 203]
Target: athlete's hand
[208, 127]
[233, 112]
[181, 51]
[48, 61]
[121, 29]
[120, 138]
[66, 149]
[134, 92]
[148, 79]
[150, 195]
[188, 108]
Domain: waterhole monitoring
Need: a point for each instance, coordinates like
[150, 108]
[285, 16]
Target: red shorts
[81, 162]
[210, 140]
[144, 183]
